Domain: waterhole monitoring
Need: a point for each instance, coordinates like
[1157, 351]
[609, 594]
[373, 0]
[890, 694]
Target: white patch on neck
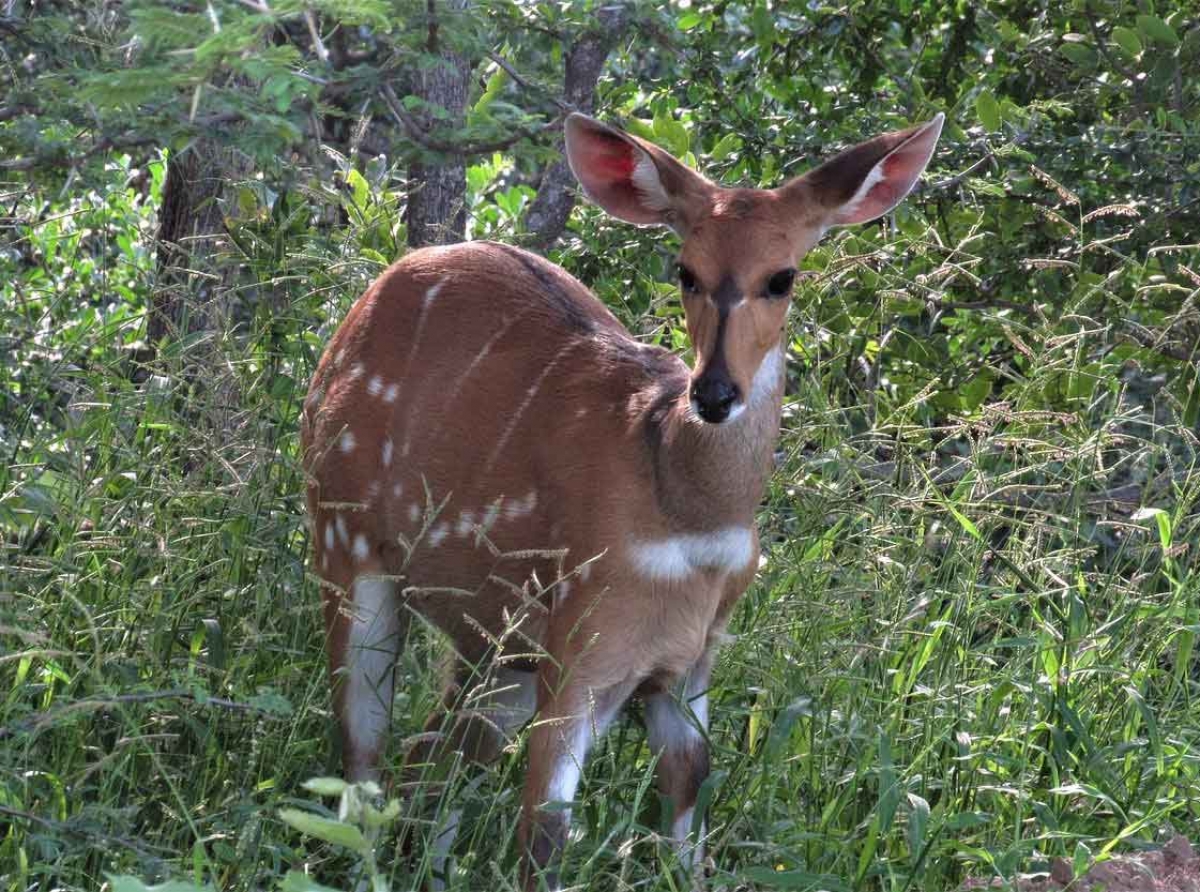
[678, 557]
[765, 384]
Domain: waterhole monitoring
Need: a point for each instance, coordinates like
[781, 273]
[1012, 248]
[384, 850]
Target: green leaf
[761, 23]
[918, 820]
[359, 189]
[638, 127]
[726, 146]
[672, 134]
[325, 786]
[1081, 859]
[688, 21]
[1080, 54]
[1128, 41]
[492, 90]
[793, 879]
[298, 881]
[125, 883]
[346, 835]
[1162, 519]
[988, 110]
[1157, 30]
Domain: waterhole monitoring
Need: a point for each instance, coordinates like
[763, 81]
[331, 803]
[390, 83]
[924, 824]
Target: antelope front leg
[366, 631]
[568, 723]
[677, 729]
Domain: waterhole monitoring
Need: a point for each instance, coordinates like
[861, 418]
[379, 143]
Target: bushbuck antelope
[489, 448]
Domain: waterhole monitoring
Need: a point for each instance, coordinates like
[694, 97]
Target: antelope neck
[710, 476]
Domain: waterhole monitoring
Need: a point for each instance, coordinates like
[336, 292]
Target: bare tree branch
[584, 62]
[127, 140]
[524, 84]
[423, 138]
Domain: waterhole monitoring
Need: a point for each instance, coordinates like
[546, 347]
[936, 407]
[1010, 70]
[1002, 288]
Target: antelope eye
[687, 279]
[781, 283]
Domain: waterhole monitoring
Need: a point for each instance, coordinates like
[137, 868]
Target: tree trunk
[191, 291]
[196, 289]
[585, 58]
[437, 212]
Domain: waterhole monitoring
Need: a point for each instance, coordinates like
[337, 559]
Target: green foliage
[972, 643]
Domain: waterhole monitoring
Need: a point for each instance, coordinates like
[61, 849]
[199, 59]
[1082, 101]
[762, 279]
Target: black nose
[713, 397]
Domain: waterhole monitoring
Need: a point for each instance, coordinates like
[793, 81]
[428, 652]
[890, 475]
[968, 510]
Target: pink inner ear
[612, 159]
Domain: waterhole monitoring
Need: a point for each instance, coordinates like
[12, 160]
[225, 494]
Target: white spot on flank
[397, 490]
[372, 490]
[356, 371]
[329, 536]
[563, 592]
[391, 392]
[490, 516]
[678, 557]
[414, 512]
[346, 442]
[343, 532]
[339, 357]
[585, 572]
[438, 534]
[521, 507]
[375, 385]
[362, 549]
[386, 453]
[466, 523]
[324, 562]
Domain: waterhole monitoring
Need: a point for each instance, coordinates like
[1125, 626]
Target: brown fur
[540, 443]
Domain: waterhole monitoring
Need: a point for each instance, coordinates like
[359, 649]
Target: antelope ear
[630, 178]
[870, 179]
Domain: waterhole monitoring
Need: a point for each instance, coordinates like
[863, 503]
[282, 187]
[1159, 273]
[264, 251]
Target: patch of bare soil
[1173, 868]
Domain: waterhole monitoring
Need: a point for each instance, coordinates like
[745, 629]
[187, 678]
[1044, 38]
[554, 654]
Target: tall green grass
[970, 647]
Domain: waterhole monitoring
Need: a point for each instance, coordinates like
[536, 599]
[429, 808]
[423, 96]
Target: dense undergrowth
[971, 644]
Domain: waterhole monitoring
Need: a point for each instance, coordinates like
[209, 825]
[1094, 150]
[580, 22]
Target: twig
[1145, 338]
[64, 827]
[995, 303]
[125, 141]
[105, 702]
[318, 44]
[953, 181]
[526, 85]
[422, 138]
[1102, 48]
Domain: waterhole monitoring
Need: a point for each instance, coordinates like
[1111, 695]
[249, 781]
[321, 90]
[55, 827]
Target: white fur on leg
[578, 735]
[441, 850]
[371, 656]
[673, 727]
